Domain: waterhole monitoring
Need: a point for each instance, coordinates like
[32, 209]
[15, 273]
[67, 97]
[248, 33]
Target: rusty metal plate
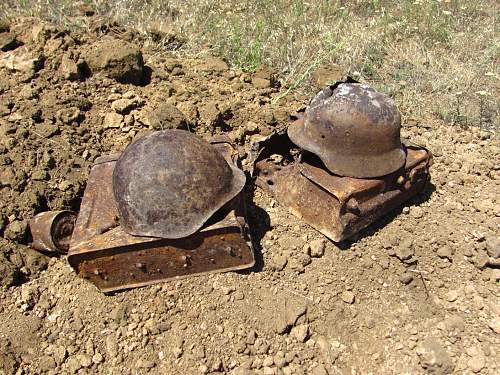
[103, 253]
[336, 206]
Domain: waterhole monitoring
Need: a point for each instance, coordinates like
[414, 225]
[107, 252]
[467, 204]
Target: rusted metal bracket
[336, 206]
[103, 253]
[51, 231]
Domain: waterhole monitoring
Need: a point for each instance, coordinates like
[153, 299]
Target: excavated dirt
[417, 293]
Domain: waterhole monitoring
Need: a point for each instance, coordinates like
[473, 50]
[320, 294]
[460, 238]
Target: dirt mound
[413, 294]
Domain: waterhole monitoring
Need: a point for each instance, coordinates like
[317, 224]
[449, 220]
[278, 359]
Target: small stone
[303, 259]
[238, 295]
[68, 115]
[46, 130]
[123, 106]
[451, 296]
[16, 230]
[162, 116]
[74, 364]
[481, 260]
[300, 332]
[406, 278]
[144, 363]
[39, 175]
[445, 252]
[216, 365]
[494, 324]
[476, 363]
[493, 247]
[279, 361]
[203, 369]
[85, 360]
[8, 41]
[317, 248]
[279, 262]
[59, 353]
[112, 120]
[214, 65]
[117, 59]
[177, 352]
[417, 212]
[97, 358]
[22, 60]
[251, 336]
[268, 361]
[434, 358]
[47, 363]
[348, 297]
[404, 251]
[111, 346]
[69, 69]
[261, 83]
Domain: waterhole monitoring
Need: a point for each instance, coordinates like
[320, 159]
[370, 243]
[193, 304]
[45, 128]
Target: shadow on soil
[259, 223]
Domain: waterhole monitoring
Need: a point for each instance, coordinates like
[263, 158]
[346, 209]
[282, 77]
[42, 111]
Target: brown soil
[413, 294]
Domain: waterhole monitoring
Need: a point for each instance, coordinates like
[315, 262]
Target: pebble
[476, 363]
[300, 332]
[445, 252]
[317, 248]
[268, 361]
[451, 296]
[279, 361]
[405, 250]
[112, 120]
[97, 357]
[74, 365]
[494, 324]
[417, 212]
[406, 278]
[251, 336]
[123, 106]
[279, 262]
[493, 247]
[433, 357]
[348, 297]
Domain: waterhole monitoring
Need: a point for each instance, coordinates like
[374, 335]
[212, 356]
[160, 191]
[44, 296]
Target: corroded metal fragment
[51, 231]
[104, 253]
[353, 129]
[336, 206]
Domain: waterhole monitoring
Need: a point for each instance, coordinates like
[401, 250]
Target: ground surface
[414, 294]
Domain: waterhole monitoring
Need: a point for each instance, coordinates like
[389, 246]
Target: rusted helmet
[354, 129]
[169, 183]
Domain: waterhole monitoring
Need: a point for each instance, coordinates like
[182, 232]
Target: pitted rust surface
[354, 129]
[169, 183]
[51, 231]
[105, 254]
[336, 206]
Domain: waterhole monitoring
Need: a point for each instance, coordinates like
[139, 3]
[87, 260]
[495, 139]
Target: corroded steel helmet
[354, 129]
[169, 183]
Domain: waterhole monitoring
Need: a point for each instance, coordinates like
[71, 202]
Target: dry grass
[438, 58]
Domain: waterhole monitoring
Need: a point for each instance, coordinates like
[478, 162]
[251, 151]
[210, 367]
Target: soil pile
[416, 293]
